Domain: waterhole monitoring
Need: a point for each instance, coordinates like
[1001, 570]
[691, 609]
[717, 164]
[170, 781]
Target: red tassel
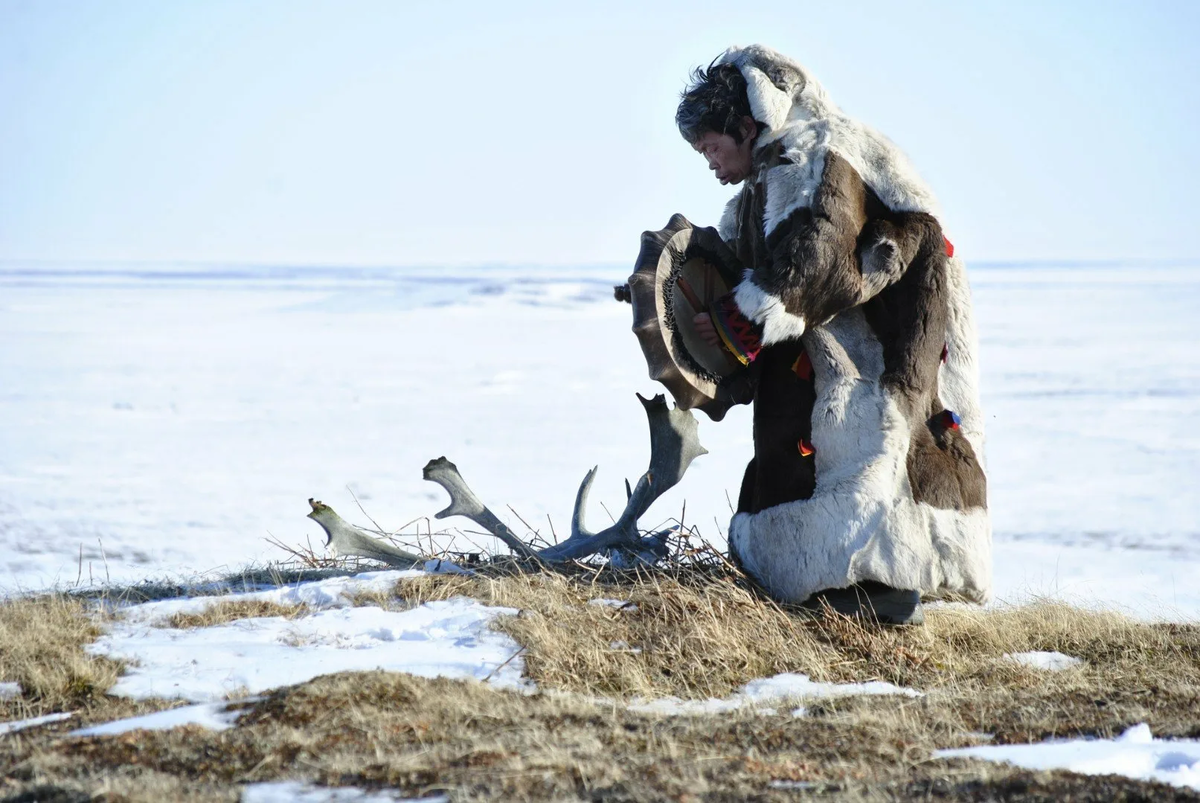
[949, 246]
[805, 448]
[802, 367]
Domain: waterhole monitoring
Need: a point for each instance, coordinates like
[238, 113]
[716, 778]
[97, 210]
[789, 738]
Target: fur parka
[868, 429]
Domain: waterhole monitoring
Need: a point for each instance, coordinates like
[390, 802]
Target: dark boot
[874, 601]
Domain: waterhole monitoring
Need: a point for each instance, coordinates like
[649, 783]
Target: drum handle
[690, 295]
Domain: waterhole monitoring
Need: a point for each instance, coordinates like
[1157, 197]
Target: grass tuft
[42, 643]
[231, 610]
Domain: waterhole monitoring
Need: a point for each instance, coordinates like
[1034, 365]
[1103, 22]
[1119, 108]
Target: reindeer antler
[464, 502]
[674, 444]
[346, 539]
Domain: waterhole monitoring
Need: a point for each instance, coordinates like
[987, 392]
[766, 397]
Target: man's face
[727, 158]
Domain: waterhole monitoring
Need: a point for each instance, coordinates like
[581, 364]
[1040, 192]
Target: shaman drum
[680, 271]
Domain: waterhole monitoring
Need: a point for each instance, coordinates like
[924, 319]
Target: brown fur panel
[909, 317]
[943, 469]
[850, 249]
[813, 265]
[783, 405]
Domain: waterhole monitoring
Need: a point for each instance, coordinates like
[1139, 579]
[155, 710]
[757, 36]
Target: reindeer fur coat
[868, 428]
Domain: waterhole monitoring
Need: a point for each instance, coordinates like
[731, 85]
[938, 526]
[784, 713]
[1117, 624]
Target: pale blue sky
[392, 133]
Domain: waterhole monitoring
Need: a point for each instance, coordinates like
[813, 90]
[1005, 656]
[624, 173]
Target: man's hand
[704, 327]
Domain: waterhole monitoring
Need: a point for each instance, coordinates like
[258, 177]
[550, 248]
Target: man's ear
[748, 128]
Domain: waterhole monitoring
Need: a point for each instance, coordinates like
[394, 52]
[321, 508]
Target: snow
[620, 645]
[8, 691]
[1050, 661]
[1134, 754]
[450, 638]
[172, 418]
[22, 724]
[297, 792]
[213, 716]
[334, 592]
[619, 604]
[763, 694]
[440, 566]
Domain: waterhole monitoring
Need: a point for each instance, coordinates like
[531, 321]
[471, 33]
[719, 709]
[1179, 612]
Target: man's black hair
[715, 100]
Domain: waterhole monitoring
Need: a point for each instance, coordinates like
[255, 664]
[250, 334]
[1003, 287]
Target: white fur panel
[728, 226]
[767, 310]
[882, 166]
[768, 103]
[958, 377]
[791, 186]
[861, 522]
[812, 123]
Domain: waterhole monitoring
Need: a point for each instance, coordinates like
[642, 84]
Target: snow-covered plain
[162, 421]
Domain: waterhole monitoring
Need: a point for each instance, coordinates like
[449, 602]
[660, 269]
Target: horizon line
[350, 266]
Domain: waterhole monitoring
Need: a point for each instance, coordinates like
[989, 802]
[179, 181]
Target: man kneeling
[866, 490]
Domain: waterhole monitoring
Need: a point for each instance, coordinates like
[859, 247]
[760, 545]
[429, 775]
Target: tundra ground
[691, 634]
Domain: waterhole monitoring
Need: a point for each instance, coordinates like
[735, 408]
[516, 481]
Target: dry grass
[698, 637]
[387, 730]
[703, 637]
[41, 647]
[231, 610]
[42, 642]
[692, 634]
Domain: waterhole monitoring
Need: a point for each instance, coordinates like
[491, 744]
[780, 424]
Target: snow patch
[758, 694]
[213, 414]
[10, 691]
[440, 566]
[1134, 754]
[22, 724]
[334, 592]
[1050, 661]
[603, 601]
[213, 716]
[450, 638]
[437, 639]
[620, 604]
[297, 792]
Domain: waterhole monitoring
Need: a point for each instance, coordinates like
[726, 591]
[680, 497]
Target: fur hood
[799, 114]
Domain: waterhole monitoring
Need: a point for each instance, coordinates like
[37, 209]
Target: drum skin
[679, 272]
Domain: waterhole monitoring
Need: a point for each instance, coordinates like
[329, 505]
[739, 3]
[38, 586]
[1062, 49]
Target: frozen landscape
[193, 347]
[163, 421]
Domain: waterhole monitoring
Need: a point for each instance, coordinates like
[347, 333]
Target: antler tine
[346, 539]
[464, 502]
[585, 488]
[673, 446]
